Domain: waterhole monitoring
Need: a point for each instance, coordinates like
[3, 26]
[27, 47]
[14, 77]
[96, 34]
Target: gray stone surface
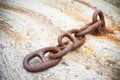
[28, 25]
[114, 2]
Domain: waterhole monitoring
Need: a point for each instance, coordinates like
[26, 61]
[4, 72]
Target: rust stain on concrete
[7, 28]
[87, 48]
[110, 35]
[8, 7]
[75, 13]
[72, 9]
[117, 28]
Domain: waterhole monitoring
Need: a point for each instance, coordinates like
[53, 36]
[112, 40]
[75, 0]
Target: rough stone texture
[27, 25]
[114, 2]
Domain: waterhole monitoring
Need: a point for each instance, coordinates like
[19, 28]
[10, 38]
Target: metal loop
[78, 42]
[100, 14]
[94, 24]
[78, 34]
[56, 53]
[75, 31]
[45, 63]
[67, 47]
[65, 34]
[90, 28]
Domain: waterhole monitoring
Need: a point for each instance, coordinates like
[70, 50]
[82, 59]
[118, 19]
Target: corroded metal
[67, 47]
[45, 63]
[89, 28]
[56, 53]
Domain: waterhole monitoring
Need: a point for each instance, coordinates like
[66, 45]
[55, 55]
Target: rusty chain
[56, 53]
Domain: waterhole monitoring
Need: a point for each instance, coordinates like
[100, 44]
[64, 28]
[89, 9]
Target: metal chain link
[45, 63]
[56, 53]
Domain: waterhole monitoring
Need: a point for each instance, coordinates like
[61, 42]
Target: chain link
[56, 53]
[45, 63]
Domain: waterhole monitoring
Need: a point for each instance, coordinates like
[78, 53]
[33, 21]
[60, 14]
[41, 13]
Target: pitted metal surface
[26, 26]
[96, 26]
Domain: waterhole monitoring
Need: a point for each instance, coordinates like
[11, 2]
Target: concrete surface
[114, 2]
[27, 25]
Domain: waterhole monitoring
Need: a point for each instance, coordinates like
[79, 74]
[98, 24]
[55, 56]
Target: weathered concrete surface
[26, 26]
[114, 2]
